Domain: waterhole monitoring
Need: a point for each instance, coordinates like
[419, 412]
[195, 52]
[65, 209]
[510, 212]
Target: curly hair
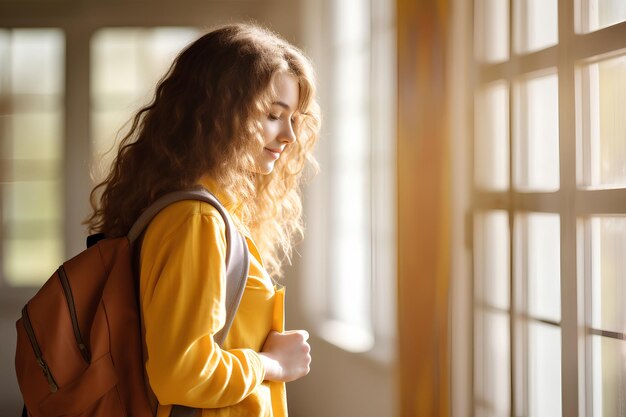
[205, 119]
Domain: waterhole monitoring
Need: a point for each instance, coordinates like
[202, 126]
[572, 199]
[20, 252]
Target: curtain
[423, 208]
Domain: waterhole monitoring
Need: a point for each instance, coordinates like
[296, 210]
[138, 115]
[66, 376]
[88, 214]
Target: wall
[340, 384]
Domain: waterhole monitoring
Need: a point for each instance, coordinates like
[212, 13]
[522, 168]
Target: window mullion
[603, 41]
[519, 64]
[611, 201]
[77, 146]
[567, 153]
[510, 73]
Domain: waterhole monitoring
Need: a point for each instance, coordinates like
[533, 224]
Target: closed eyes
[271, 116]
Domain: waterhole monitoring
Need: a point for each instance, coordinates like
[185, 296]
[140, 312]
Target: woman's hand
[286, 356]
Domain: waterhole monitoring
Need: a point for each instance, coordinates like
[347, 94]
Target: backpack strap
[237, 259]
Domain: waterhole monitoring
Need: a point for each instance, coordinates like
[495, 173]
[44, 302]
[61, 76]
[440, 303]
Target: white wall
[340, 384]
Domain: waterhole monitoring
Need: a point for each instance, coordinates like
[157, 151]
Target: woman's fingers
[303, 333]
[291, 352]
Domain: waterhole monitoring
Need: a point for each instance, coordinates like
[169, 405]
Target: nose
[288, 135]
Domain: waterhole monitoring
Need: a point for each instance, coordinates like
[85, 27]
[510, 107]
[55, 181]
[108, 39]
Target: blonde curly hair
[205, 119]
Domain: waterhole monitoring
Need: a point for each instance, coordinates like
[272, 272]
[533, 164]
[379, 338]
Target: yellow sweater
[182, 296]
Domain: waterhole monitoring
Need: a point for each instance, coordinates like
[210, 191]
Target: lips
[273, 153]
[278, 151]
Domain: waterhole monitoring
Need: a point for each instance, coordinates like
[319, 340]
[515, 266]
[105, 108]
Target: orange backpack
[79, 340]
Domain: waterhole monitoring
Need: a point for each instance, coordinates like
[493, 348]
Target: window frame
[572, 202]
[317, 281]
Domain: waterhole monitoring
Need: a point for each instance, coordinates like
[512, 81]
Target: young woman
[236, 113]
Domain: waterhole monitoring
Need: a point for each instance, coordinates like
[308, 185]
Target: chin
[265, 169]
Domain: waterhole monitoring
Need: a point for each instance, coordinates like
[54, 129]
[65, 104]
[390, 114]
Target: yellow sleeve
[183, 293]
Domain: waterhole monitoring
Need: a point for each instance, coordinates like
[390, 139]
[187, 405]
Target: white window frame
[572, 202]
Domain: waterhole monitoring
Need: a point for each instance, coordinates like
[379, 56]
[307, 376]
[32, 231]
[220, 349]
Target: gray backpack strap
[237, 260]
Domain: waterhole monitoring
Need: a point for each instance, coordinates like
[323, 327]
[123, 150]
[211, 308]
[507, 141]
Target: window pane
[536, 25]
[602, 111]
[608, 280]
[126, 65]
[536, 139]
[492, 40]
[35, 136]
[598, 14]
[37, 61]
[29, 262]
[544, 370]
[491, 143]
[29, 200]
[108, 127]
[604, 240]
[491, 259]
[350, 250]
[350, 244]
[538, 264]
[31, 134]
[130, 61]
[608, 377]
[492, 354]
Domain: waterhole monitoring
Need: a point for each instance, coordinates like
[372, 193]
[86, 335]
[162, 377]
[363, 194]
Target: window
[31, 137]
[601, 251]
[350, 212]
[549, 209]
[126, 65]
